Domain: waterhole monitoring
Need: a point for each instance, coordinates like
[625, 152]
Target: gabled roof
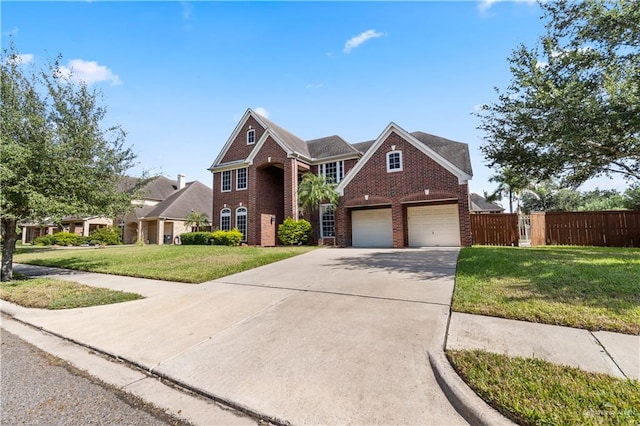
[194, 197]
[455, 152]
[363, 146]
[440, 153]
[330, 146]
[159, 188]
[293, 142]
[480, 204]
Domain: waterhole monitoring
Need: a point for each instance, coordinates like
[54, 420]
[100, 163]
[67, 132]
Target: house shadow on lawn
[422, 264]
[69, 266]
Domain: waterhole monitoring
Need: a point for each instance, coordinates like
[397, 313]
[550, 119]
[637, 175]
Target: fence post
[538, 229]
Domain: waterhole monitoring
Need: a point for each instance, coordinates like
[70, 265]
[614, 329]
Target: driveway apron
[333, 336]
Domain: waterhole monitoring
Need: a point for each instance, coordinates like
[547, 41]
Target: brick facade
[273, 176]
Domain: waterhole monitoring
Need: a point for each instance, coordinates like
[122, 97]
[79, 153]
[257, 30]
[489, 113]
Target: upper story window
[225, 181]
[251, 137]
[225, 219]
[241, 178]
[334, 172]
[394, 161]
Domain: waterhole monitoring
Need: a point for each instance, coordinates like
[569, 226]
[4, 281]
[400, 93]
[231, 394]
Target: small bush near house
[196, 238]
[62, 238]
[43, 240]
[294, 232]
[107, 235]
[227, 238]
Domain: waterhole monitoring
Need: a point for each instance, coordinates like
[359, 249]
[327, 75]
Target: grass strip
[49, 293]
[593, 288]
[189, 264]
[535, 392]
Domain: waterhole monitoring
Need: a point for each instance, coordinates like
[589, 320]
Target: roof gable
[462, 175]
[194, 197]
[479, 204]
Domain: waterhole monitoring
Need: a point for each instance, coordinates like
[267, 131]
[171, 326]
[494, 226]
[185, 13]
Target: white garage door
[434, 226]
[371, 228]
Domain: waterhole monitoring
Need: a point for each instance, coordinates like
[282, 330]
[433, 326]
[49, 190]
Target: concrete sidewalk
[287, 349]
[600, 351]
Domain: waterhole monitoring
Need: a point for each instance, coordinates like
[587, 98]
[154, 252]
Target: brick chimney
[181, 181]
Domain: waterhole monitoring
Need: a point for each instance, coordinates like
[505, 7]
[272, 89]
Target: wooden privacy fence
[608, 229]
[495, 229]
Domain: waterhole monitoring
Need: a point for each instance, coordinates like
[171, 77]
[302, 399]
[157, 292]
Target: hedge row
[218, 238]
[107, 235]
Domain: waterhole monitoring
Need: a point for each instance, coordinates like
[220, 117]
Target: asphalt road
[39, 389]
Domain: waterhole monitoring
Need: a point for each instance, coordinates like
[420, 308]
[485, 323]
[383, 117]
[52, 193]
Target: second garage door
[372, 228]
[433, 226]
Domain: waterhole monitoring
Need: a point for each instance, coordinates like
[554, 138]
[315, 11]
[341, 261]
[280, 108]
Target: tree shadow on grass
[67, 266]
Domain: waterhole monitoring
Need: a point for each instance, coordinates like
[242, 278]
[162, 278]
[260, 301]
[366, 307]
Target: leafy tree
[572, 109]
[632, 197]
[57, 158]
[510, 186]
[602, 199]
[197, 220]
[314, 190]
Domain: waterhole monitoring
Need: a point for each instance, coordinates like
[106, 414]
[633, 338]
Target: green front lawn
[535, 392]
[190, 264]
[49, 293]
[594, 288]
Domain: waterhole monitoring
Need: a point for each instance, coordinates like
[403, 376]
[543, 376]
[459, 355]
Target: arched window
[241, 221]
[225, 219]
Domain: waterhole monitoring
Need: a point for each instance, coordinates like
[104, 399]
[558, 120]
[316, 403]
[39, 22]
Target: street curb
[176, 384]
[470, 406]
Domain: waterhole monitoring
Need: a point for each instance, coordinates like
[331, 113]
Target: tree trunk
[9, 237]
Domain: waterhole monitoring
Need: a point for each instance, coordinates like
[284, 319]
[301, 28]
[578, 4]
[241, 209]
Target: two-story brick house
[400, 190]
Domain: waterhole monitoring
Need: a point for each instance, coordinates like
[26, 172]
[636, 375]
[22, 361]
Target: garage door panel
[372, 228]
[433, 226]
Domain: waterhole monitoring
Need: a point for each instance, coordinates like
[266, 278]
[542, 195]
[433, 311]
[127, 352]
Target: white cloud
[485, 5]
[20, 59]
[314, 86]
[356, 41]
[12, 32]
[262, 111]
[89, 72]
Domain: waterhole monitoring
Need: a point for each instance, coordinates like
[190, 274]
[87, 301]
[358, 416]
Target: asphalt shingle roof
[480, 204]
[330, 146]
[194, 197]
[457, 153]
[292, 141]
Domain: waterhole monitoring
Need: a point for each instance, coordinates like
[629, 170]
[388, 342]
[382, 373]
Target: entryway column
[397, 221]
[291, 188]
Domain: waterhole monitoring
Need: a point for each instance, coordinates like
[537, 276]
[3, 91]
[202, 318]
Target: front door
[267, 230]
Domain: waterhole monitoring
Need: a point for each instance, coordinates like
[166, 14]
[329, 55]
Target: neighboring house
[161, 212]
[158, 218]
[400, 190]
[479, 204]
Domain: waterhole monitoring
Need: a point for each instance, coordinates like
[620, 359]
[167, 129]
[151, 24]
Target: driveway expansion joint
[335, 293]
[608, 355]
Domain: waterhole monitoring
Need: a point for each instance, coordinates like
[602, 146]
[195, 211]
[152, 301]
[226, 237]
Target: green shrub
[294, 231]
[43, 240]
[196, 238]
[227, 238]
[108, 235]
[64, 238]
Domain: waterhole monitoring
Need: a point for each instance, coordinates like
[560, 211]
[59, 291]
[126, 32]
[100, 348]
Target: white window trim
[252, 132]
[225, 212]
[246, 179]
[322, 207]
[222, 173]
[389, 170]
[339, 170]
[246, 221]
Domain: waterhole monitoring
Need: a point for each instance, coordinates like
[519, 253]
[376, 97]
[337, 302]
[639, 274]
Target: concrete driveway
[333, 336]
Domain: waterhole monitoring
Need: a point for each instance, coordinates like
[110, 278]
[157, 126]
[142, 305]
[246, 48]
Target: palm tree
[510, 186]
[195, 219]
[315, 189]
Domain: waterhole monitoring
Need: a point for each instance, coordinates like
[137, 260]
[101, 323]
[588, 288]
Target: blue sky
[179, 75]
